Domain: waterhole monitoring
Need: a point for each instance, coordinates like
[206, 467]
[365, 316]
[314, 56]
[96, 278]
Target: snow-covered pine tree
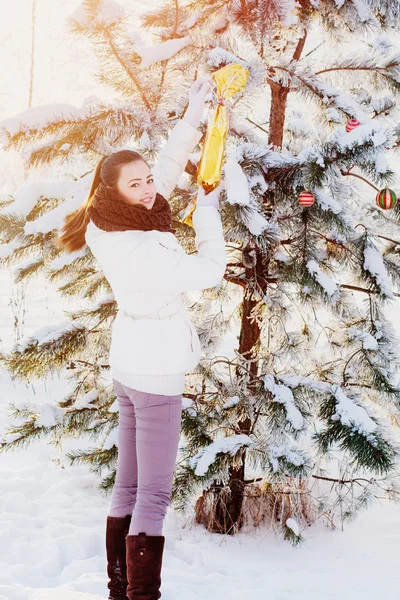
[299, 423]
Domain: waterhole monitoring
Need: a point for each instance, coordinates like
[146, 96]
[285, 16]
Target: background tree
[300, 422]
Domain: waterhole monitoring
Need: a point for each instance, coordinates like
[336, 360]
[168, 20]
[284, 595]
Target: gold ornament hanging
[229, 80]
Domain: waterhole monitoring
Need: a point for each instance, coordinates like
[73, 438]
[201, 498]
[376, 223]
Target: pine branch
[129, 72]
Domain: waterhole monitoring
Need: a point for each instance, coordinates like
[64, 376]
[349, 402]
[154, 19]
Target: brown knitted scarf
[111, 212]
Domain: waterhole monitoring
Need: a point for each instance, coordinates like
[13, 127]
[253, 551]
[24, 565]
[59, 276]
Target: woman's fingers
[201, 86]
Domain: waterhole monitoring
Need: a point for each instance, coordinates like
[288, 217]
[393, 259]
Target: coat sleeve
[174, 156]
[165, 269]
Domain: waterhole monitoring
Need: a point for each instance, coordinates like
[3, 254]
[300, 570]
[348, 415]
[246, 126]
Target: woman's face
[136, 184]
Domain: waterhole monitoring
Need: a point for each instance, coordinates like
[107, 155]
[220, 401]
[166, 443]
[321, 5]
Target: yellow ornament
[229, 80]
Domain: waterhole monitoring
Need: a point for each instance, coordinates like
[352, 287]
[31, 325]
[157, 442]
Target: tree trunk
[227, 515]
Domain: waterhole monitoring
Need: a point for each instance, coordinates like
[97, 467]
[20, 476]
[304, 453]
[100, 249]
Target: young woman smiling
[126, 222]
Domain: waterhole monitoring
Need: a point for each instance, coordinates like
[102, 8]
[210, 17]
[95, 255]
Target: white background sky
[64, 63]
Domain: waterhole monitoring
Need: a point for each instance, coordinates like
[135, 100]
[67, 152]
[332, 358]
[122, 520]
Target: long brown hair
[72, 234]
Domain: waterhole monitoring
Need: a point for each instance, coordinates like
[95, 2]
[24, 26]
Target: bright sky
[64, 63]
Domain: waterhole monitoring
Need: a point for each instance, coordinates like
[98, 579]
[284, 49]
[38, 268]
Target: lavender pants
[148, 438]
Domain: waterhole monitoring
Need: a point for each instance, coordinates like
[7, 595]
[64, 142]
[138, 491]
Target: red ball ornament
[352, 124]
[386, 198]
[306, 198]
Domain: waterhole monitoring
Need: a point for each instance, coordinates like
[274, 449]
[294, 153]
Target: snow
[236, 184]
[108, 13]
[365, 132]
[164, 51]
[7, 250]
[86, 400]
[38, 117]
[381, 164]
[46, 334]
[296, 380]
[373, 262]
[27, 196]
[293, 525]
[145, 142]
[352, 415]
[54, 511]
[288, 13]
[219, 57]
[190, 21]
[290, 456]
[57, 517]
[27, 264]
[77, 191]
[237, 192]
[281, 257]
[259, 182]
[47, 416]
[367, 340]
[232, 401]
[327, 201]
[109, 297]
[365, 14]
[382, 43]
[207, 455]
[284, 395]
[255, 222]
[111, 439]
[323, 279]
[67, 258]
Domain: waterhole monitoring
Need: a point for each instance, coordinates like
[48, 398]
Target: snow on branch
[40, 117]
[323, 279]
[284, 395]
[367, 340]
[7, 250]
[28, 195]
[373, 262]
[203, 459]
[46, 334]
[352, 415]
[106, 14]
[49, 416]
[55, 219]
[164, 51]
[236, 184]
[279, 453]
[294, 381]
[67, 258]
[86, 400]
[371, 131]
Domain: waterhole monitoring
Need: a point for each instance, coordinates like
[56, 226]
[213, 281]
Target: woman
[126, 222]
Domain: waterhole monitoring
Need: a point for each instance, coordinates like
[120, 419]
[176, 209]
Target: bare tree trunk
[18, 299]
[32, 70]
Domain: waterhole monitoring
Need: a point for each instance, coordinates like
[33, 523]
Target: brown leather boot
[116, 530]
[143, 564]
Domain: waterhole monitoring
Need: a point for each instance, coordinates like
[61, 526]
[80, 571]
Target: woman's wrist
[193, 115]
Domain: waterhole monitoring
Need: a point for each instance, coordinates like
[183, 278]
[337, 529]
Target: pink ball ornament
[306, 199]
[352, 124]
[386, 198]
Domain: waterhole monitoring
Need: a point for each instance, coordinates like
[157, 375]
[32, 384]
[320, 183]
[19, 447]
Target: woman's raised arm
[182, 140]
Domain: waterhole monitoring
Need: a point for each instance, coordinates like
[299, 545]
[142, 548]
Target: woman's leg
[158, 423]
[123, 496]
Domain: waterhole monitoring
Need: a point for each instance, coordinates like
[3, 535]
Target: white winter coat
[148, 270]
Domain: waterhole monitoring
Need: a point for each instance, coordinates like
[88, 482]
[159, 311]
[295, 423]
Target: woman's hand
[198, 92]
[211, 199]
[199, 89]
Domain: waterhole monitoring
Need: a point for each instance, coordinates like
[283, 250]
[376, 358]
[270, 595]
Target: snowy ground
[53, 527]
